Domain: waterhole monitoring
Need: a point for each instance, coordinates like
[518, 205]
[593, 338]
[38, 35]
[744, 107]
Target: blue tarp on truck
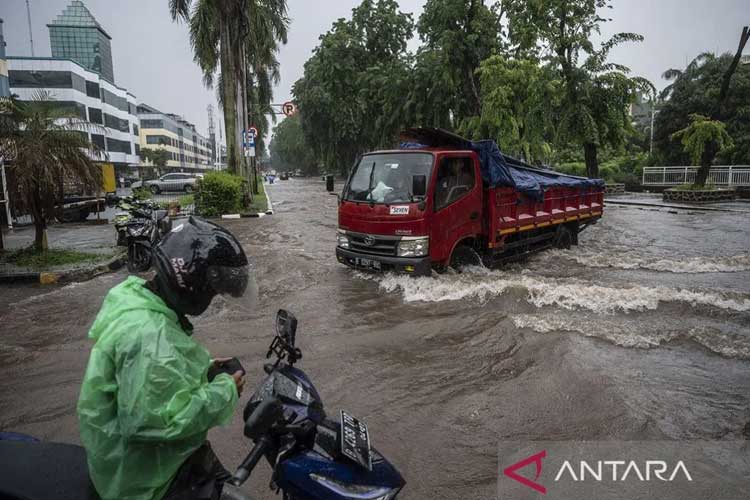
[497, 168]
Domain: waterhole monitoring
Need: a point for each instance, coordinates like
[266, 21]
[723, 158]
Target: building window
[98, 140]
[116, 123]
[135, 129]
[157, 139]
[152, 124]
[115, 146]
[137, 150]
[41, 79]
[92, 89]
[95, 116]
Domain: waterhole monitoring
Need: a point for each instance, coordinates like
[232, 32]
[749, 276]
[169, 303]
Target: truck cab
[407, 210]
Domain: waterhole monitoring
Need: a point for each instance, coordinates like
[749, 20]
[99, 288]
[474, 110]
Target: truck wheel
[563, 238]
[464, 256]
[83, 215]
[155, 189]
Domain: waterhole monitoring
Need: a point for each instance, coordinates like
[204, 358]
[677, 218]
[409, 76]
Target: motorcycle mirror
[263, 417]
[286, 326]
[419, 185]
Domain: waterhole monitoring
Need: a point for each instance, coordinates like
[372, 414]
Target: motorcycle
[139, 228]
[312, 456]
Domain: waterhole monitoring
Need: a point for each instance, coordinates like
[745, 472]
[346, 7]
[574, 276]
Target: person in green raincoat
[146, 403]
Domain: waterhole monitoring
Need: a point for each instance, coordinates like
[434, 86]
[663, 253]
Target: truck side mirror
[419, 185]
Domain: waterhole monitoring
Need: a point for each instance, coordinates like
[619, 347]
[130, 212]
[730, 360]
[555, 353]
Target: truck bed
[512, 212]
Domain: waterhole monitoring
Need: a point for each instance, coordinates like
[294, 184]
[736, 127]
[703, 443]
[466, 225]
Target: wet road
[642, 332]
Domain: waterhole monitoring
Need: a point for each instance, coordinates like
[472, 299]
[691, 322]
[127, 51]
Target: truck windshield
[387, 178]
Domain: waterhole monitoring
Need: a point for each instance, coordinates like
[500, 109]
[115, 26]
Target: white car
[170, 182]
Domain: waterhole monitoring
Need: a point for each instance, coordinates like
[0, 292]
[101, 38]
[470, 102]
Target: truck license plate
[367, 263]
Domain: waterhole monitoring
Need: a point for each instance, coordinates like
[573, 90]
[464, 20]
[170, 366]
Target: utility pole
[212, 135]
[28, 18]
[653, 113]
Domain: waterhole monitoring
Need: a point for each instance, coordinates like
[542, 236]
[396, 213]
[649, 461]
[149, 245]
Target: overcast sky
[152, 56]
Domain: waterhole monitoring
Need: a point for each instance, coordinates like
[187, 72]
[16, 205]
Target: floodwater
[640, 333]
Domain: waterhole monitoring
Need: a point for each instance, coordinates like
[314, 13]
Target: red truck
[444, 201]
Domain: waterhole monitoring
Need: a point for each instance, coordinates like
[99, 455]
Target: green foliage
[596, 94]
[702, 133]
[517, 96]
[349, 97]
[694, 91]
[219, 193]
[142, 193]
[695, 187]
[289, 149]
[157, 157]
[260, 200]
[31, 258]
[48, 145]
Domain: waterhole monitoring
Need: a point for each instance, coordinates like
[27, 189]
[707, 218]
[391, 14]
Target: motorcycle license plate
[367, 263]
[355, 441]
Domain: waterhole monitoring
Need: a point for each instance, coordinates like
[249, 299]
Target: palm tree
[224, 34]
[48, 145]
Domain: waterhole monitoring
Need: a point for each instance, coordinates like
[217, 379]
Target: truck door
[457, 203]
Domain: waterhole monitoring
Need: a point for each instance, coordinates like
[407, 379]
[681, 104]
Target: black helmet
[196, 261]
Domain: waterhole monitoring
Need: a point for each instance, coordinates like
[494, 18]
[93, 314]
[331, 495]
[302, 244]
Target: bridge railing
[738, 175]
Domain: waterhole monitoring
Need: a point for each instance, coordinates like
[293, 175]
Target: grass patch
[31, 259]
[695, 187]
[260, 201]
[187, 200]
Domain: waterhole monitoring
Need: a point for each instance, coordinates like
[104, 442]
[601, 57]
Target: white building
[90, 95]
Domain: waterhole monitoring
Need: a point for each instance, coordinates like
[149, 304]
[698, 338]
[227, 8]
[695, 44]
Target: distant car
[170, 182]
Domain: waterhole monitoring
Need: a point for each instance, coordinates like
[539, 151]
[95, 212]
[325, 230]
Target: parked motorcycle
[312, 456]
[140, 225]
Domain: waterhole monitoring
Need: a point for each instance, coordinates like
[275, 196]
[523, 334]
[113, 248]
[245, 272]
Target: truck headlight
[414, 248]
[342, 240]
[355, 491]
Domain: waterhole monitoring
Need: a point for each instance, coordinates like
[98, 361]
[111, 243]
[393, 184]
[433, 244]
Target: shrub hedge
[219, 193]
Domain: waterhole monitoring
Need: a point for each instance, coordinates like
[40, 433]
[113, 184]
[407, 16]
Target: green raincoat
[145, 402]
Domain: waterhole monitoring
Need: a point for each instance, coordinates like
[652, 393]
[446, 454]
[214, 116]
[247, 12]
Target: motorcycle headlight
[414, 248]
[355, 491]
[342, 240]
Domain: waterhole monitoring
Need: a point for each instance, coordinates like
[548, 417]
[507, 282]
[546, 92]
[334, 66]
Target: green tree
[702, 140]
[714, 87]
[358, 63]
[48, 145]
[460, 34]
[518, 101]
[596, 94]
[289, 149]
[157, 157]
[225, 35]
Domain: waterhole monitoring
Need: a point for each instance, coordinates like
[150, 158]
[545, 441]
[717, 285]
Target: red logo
[534, 459]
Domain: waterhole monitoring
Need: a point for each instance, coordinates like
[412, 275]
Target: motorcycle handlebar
[246, 467]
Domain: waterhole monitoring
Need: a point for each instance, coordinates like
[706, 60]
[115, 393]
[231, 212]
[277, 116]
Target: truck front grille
[374, 244]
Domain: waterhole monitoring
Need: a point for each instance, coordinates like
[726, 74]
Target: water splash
[627, 259]
[569, 293]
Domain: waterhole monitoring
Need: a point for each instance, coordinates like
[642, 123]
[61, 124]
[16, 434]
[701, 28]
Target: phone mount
[283, 343]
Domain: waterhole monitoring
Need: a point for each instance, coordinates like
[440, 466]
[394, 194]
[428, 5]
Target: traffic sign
[289, 108]
[253, 130]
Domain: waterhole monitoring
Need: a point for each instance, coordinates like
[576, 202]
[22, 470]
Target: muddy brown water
[642, 332]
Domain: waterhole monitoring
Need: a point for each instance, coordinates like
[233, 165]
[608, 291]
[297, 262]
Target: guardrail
[738, 175]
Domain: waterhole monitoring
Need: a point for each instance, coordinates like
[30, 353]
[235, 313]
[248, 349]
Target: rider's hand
[239, 381]
[217, 362]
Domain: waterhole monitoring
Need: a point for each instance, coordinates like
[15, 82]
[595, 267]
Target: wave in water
[481, 284]
[720, 341]
[627, 259]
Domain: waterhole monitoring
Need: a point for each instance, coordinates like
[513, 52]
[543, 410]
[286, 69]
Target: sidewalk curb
[269, 211]
[73, 275]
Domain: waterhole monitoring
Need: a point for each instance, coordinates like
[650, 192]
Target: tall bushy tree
[290, 150]
[459, 35]
[48, 145]
[595, 93]
[227, 36]
[357, 64]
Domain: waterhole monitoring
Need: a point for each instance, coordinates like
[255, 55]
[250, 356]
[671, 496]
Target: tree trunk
[40, 235]
[592, 163]
[229, 91]
[707, 159]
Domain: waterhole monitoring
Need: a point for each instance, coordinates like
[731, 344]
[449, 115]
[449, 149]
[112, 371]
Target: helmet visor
[229, 281]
